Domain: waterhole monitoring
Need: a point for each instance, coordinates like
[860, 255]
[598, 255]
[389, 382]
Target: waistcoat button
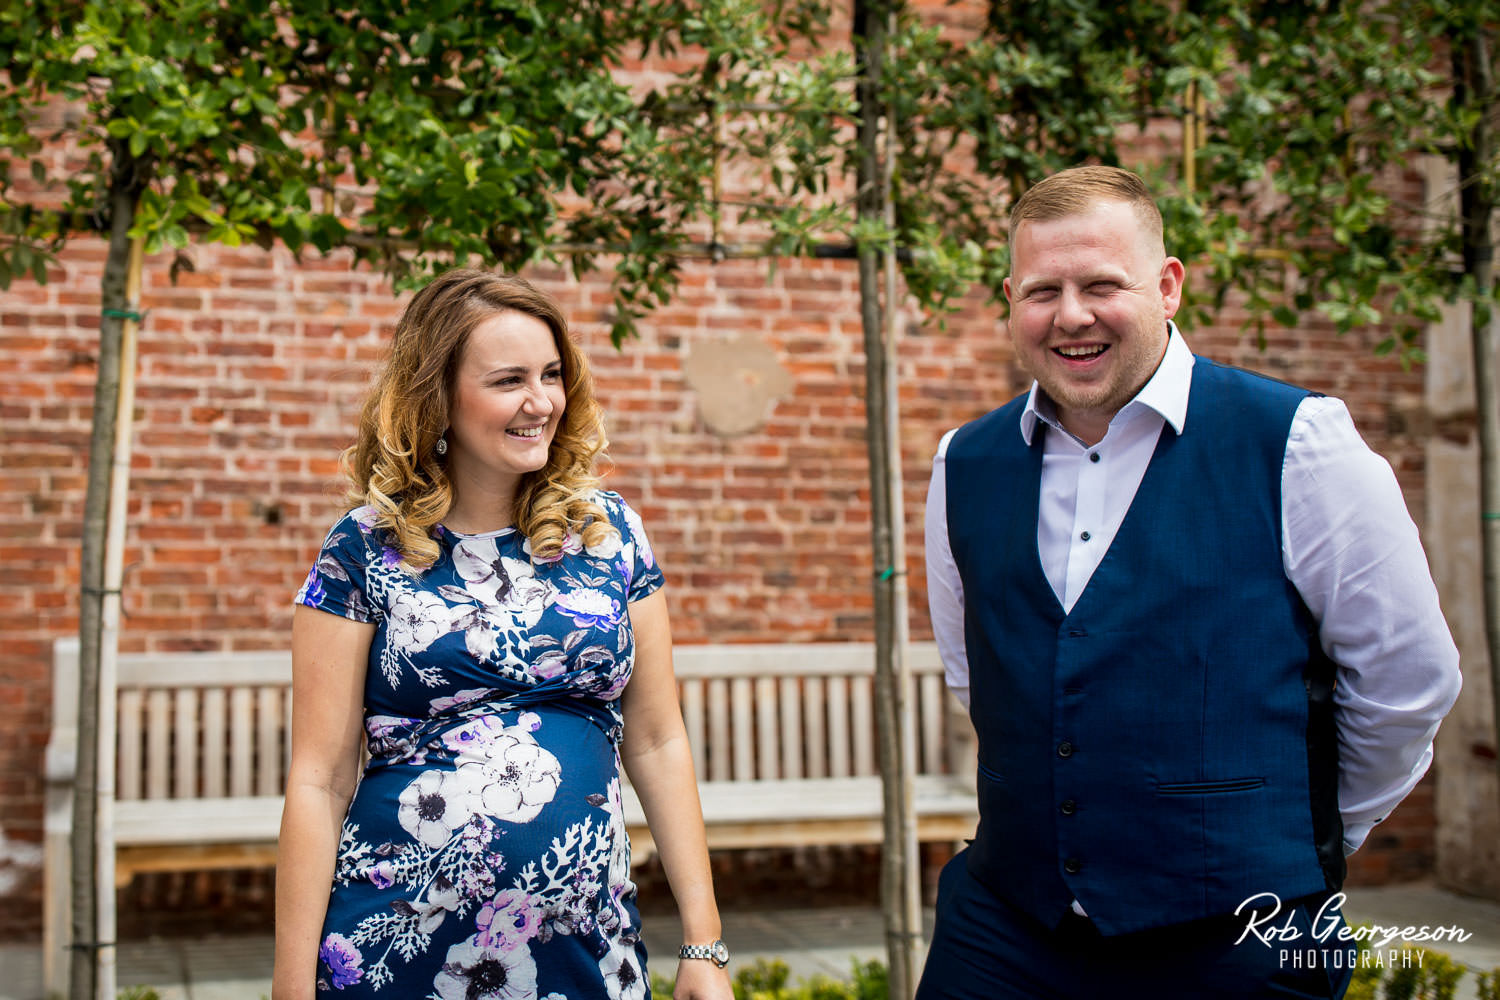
[1072, 866]
[1068, 807]
[1065, 749]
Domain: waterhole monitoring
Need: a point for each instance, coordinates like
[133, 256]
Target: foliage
[419, 135]
[139, 993]
[1313, 115]
[768, 980]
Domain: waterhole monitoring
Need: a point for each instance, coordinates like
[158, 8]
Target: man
[1195, 629]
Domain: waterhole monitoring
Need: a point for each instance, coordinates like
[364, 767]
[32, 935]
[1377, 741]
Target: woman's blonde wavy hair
[393, 465]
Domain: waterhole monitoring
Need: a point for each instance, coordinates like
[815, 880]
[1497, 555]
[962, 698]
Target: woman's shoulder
[357, 528]
[616, 506]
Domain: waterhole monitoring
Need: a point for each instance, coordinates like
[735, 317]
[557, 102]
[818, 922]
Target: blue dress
[484, 854]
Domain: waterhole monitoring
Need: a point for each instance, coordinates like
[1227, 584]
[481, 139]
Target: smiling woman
[489, 622]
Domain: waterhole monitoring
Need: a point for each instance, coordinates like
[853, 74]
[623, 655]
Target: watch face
[721, 952]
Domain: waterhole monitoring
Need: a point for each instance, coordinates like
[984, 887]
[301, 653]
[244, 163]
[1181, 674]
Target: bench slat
[185, 743]
[766, 728]
[930, 723]
[740, 707]
[861, 697]
[839, 764]
[158, 734]
[268, 742]
[128, 759]
[792, 737]
[816, 749]
[241, 740]
[720, 768]
[215, 743]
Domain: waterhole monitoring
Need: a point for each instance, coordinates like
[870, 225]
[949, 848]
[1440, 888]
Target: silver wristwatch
[716, 952]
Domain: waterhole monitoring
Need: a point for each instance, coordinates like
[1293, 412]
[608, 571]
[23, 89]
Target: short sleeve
[645, 575]
[337, 581]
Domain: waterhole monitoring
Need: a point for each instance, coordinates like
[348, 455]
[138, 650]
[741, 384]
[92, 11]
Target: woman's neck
[475, 511]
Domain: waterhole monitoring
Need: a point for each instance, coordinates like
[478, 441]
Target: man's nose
[1073, 313]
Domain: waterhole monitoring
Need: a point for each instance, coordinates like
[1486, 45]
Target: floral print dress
[484, 854]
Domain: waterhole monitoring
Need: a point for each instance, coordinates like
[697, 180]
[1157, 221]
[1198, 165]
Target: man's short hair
[1075, 190]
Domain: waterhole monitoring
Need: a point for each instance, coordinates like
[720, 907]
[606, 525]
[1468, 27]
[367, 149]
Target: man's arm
[945, 591]
[1351, 549]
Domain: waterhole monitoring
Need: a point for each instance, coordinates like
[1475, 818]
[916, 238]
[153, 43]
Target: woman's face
[507, 400]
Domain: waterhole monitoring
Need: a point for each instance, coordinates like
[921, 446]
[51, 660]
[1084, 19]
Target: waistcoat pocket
[1209, 787]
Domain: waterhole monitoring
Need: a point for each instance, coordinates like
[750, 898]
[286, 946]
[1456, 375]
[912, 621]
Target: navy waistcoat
[1167, 748]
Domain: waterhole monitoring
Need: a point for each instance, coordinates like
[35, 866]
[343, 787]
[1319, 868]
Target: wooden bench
[783, 740]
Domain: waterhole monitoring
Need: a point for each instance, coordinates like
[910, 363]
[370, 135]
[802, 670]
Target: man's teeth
[529, 432]
[1081, 352]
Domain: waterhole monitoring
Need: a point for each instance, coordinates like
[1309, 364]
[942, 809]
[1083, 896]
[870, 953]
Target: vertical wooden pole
[870, 22]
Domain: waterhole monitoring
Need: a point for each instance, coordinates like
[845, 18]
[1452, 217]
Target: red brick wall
[251, 369]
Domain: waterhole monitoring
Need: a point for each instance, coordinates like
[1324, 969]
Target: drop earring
[441, 447]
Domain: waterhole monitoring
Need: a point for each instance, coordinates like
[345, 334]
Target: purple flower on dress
[550, 664]
[343, 961]
[383, 875]
[389, 556]
[507, 921]
[472, 734]
[590, 608]
[312, 590]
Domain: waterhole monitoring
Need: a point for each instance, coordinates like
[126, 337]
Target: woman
[474, 621]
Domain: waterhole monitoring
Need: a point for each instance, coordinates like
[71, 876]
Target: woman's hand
[701, 980]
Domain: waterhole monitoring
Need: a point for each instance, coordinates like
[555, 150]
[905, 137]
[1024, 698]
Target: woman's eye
[552, 374]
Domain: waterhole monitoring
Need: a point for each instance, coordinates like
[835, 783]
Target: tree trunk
[896, 874]
[126, 184]
[1473, 85]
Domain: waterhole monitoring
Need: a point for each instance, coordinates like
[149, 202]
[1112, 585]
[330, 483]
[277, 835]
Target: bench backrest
[213, 725]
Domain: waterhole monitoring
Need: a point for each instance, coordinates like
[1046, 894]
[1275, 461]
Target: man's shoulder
[1246, 379]
[990, 428]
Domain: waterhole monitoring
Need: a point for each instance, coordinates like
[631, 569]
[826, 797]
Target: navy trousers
[985, 949]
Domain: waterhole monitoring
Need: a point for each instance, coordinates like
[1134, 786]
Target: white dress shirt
[1348, 545]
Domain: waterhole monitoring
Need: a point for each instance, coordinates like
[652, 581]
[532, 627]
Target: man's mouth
[1082, 351]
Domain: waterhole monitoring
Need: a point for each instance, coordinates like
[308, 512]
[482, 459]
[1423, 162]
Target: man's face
[1090, 296]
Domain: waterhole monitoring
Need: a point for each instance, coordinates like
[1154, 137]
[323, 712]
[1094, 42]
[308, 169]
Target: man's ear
[1173, 273]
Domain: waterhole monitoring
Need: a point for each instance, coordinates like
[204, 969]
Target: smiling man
[1195, 630]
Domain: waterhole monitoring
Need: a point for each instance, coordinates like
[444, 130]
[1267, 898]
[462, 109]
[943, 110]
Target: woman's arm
[659, 764]
[329, 654]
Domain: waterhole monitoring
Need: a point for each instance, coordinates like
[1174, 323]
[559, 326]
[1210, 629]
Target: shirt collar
[1165, 393]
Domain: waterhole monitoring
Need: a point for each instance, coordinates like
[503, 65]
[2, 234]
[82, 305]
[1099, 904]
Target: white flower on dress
[607, 548]
[590, 608]
[434, 805]
[473, 972]
[417, 619]
[638, 536]
[439, 901]
[515, 777]
[623, 979]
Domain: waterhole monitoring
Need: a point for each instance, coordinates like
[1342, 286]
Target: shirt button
[1072, 866]
[1094, 457]
[1065, 749]
[1085, 536]
[1068, 807]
